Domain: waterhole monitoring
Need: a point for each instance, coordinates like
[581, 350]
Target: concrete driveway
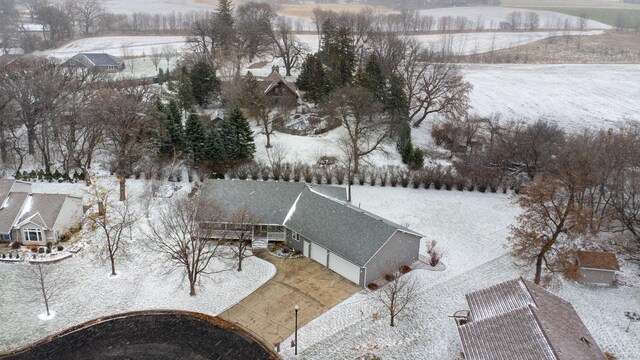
[269, 311]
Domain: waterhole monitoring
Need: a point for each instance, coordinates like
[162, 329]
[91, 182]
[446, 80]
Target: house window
[32, 235]
[296, 236]
[6, 236]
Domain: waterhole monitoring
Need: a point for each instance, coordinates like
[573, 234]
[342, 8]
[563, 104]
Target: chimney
[275, 68]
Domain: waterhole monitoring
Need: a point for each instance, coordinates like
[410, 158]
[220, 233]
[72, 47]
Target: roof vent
[585, 340]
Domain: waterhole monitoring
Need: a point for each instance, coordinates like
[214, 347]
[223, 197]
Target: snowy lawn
[574, 96]
[141, 284]
[116, 45]
[470, 228]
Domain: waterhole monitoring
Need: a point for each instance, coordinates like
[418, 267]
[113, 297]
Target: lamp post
[295, 338]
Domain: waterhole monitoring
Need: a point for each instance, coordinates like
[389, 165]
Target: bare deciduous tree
[156, 56]
[44, 280]
[88, 13]
[183, 235]
[397, 294]
[362, 116]
[242, 221]
[288, 47]
[130, 121]
[116, 221]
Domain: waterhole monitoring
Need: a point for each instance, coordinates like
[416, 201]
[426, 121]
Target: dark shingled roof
[5, 187]
[598, 260]
[98, 59]
[348, 231]
[269, 200]
[518, 320]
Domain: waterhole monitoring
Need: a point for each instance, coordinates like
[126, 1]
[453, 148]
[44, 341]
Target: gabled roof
[43, 210]
[91, 60]
[518, 320]
[10, 210]
[274, 79]
[598, 260]
[348, 231]
[269, 200]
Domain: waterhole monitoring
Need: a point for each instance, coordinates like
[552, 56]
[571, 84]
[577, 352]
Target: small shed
[598, 267]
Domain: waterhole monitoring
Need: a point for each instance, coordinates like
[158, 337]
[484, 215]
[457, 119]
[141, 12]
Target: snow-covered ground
[471, 229]
[491, 16]
[141, 284]
[117, 45]
[573, 95]
[480, 42]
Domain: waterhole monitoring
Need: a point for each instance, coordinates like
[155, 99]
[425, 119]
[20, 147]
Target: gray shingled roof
[508, 318]
[47, 206]
[511, 336]
[98, 59]
[348, 231]
[269, 200]
[10, 213]
[5, 187]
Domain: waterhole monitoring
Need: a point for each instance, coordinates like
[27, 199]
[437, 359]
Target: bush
[373, 175]
[393, 178]
[405, 178]
[373, 286]
[286, 172]
[297, 172]
[362, 178]
[416, 180]
[33, 248]
[10, 255]
[4, 255]
[48, 250]
[15, 245]
[340, 174]
[41, 251]
[610, 355]
[390, 277]
[405, 269]
[264, 173]
[60, 247]
[383, 178]
[416, 161]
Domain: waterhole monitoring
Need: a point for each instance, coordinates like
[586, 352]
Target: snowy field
[470, 229]
[573, 95]
[491, 16]
[117, 45]
[141, 284]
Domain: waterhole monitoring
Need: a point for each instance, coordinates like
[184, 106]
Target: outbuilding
[597, 267]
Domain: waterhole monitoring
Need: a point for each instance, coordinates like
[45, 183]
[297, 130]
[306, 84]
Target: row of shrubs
[11, 256]
[56, 176]
[390, 277]
[438, 177]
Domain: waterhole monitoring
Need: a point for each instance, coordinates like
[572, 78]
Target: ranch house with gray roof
[317, 221]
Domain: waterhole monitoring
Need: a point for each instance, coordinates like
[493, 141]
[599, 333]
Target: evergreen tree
[237, 136]
[195, 138]
[223, 24]
[312, 79]
[396, 104]
[185, 89]
[346, 56]
[376, 82]
[204, 83]
[214, 151]
[173, 143]
[160, 76]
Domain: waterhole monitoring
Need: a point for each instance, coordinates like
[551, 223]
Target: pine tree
[173, 142]
[376, 82]
[223, 24]
[312, 79]
[237, 136]
[346, 55]
[396, 104]
[195, 138]
[214, 150]
[185, 90]
[204, 83]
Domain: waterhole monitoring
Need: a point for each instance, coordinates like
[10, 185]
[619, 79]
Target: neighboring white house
[35, 218]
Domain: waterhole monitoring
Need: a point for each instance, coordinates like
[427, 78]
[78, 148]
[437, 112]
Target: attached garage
[344, 268]
[319, 254]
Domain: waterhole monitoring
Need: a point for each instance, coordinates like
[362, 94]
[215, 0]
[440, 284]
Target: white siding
[305, 249]
[344, 268]
[69, 215]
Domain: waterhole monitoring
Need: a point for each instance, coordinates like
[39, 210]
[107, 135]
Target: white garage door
[319, 254]
[344, 268]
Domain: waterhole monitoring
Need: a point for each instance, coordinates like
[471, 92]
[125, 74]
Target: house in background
[37, 218]
[277, 87]
[518, 320]
[95, 62]
[318, 222]
[597, 267]
[18, 61]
